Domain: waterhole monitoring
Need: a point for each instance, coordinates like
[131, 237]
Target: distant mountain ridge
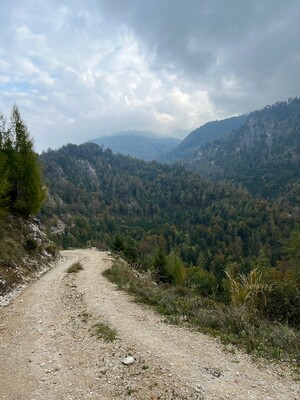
[204, 134]
[137, 145]
[263, 155]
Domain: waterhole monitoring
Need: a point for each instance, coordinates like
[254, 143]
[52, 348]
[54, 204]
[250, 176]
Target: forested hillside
[262, 155]
[96, 197]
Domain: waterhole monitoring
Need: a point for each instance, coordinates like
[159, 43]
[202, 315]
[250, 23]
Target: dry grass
[248, 291]
[104, 332]
[74, 268]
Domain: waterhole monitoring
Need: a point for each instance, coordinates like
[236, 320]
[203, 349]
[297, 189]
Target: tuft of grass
[103, 331]
[52, 249]
[130, 391]
[74, 268]
[248, 290]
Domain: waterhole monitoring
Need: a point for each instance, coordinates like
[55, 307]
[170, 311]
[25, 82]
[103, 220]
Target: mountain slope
[95, 195]
[25, 252]
[134, 145]
[263, 155]
[204, 134]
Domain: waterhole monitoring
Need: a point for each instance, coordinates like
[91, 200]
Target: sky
[78, 69]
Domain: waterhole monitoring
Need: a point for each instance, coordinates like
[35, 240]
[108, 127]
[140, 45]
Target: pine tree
[160, 265]
[4, 184]
[26, 192]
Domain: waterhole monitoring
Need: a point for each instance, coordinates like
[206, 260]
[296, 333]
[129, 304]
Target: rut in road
[47, 350]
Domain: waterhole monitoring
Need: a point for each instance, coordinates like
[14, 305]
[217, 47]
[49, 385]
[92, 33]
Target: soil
[48, 350]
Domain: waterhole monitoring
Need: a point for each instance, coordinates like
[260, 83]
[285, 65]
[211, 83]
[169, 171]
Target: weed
[84, 316]
[130, 391]
[52, 249]
[103, 331]
[74, 268]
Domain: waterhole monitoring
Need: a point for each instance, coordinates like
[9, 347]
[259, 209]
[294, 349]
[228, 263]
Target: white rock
[128, 360]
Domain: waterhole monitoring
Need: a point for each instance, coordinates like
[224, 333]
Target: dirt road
[47, 350]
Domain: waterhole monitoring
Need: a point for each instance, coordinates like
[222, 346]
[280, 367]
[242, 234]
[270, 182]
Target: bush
[202, 281]
[283, 303]
[11, 252]
[31, 245]
[52, 249]
[76, 267]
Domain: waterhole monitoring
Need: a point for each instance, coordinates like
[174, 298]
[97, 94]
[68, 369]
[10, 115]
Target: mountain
[262, 155]
[200, 136]
[137, 145]
[95, 195]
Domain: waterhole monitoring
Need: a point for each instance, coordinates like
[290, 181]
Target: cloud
[81, 69]
[213, 43]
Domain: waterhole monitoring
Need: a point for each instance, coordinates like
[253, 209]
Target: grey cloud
[79, 69]
[210, 40]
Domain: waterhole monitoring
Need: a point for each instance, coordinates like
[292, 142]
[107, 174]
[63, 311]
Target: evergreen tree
[160, 265]
[118, 244]
[4, 184]
[26, 191]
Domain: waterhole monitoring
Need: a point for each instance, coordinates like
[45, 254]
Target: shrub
[202, 281]
[283, 303]
[31, 245]
[74, 268]
[11, 252]
[52, 249]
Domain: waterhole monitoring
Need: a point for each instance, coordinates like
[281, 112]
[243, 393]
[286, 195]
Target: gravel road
[47, 350]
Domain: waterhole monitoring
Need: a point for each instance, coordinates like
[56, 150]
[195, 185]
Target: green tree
[293, 249]
[27, 191]
[118, 244]
[4, 183]
[160, 265]
[176, 268]
[201, 280]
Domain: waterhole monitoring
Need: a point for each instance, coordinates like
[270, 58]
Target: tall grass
[249, 291]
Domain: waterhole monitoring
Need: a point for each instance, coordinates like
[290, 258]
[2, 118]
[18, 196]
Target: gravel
[47, 350]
